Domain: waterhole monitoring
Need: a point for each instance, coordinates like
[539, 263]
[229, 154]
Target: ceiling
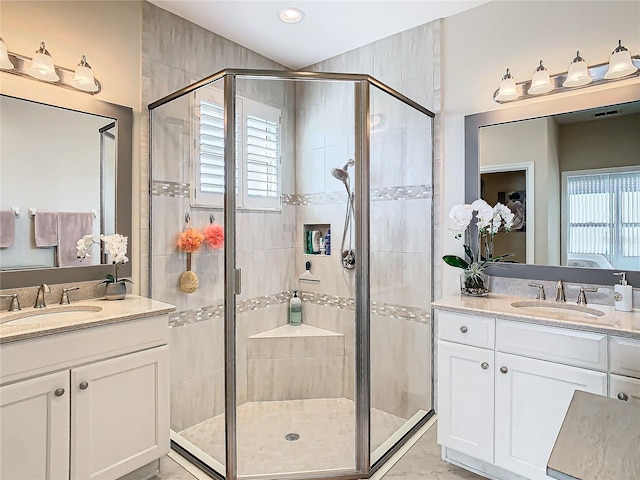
[329, 28]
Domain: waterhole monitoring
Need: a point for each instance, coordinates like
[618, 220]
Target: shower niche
[282, 155]
[314, 236]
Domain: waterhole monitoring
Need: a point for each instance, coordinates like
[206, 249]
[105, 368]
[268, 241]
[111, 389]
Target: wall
[606, 142]
[486, 40]
[175, 54]
[108, 33]
[401, 167]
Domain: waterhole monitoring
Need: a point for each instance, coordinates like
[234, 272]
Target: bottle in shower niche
[295, 310]
[327, 243]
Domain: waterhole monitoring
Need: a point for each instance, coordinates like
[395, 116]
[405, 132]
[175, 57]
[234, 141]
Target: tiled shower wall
[402, 196]
[177, 53]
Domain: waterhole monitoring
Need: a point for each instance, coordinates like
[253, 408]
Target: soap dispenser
[623, 294]
[295, 310]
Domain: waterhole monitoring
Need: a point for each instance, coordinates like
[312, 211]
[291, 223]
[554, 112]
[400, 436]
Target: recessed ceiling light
[290, 15]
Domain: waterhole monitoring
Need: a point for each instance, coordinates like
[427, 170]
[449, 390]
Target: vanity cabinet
[102, 414]
[502, 406]
[625, 369]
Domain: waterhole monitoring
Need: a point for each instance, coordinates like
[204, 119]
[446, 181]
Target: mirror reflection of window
[603, 219]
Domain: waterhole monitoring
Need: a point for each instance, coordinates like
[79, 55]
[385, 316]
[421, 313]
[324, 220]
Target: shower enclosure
[280, 160]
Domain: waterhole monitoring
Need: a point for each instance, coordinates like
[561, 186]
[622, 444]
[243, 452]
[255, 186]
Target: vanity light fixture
[578, 74]
[290, 15]
[5, 63]
[621, 66]
[83, 77]
[507, 89]
[41, 67]
[540, 82]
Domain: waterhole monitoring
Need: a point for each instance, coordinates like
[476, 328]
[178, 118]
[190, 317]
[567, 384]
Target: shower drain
[292, 437]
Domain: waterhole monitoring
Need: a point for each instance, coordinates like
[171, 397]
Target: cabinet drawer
[625, 356]
[625, 389]
[581, 349]
[467, 329]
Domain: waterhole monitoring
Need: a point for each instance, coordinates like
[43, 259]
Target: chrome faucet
[64, 299]
[15, 303]
[560, 292]
[42, 289]
[540, 287]
[582, 298]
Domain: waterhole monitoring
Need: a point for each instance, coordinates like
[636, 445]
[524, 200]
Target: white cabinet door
[625, 388]
[465, 399]
[34, 420]
[120, 414]
[532, 398]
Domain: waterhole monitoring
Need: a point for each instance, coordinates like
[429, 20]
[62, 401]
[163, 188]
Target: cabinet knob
[504, 369]
[59, 392]
[464, 329]
[484, 365]
[84, 386]
[623, 396]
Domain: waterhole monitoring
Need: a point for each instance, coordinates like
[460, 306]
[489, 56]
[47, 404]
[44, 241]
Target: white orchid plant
[114, 245]
[489, 221]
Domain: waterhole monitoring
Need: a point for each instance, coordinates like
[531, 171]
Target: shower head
[342, 175]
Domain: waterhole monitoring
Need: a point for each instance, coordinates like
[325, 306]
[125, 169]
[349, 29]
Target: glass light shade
[83, 79]
[578, 74]
[540, 82]
[620, 65]
[5, 63]
[508, 90]
[42, 66]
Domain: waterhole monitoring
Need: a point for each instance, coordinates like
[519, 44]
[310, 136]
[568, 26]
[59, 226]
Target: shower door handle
[237, 282]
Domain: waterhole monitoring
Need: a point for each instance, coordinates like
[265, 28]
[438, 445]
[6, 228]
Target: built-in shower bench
[295, 363]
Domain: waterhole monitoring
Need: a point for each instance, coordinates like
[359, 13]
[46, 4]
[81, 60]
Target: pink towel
[71, 227]
[7, 228]
[46, 229]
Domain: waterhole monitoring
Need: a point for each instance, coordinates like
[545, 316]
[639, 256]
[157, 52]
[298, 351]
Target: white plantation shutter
[262, 151]
[211, 138]
[257, 149]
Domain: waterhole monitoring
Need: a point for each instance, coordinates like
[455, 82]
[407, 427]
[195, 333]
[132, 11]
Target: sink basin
[44, 314]
[557, 306]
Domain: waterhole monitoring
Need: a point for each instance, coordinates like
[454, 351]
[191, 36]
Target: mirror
[73, 161]
[570, 171]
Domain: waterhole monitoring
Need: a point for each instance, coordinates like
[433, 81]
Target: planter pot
[115, 291]
[474, 286]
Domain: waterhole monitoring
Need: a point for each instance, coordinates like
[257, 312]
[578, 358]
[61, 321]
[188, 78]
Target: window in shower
[258, 181]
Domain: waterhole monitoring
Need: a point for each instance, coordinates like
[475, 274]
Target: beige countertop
[598, 440]
[625, 324]
[31, 323]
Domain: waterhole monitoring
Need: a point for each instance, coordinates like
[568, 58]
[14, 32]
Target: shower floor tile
[325, 428]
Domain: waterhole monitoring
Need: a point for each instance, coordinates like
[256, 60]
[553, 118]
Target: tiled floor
[421, 462]
[325, 426]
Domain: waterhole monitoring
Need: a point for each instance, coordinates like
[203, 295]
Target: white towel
[7, 228]
[71, 228]
[46, 229]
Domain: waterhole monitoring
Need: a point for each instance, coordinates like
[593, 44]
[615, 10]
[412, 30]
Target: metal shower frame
[362, 84]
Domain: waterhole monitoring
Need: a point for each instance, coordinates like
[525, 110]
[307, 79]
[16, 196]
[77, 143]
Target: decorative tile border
[408, 192]
[161, 188]
[187, 317]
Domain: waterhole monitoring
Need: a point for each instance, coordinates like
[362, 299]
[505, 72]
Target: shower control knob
[464, 329]
[623, 396]
[504, 369]
[484, 365]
